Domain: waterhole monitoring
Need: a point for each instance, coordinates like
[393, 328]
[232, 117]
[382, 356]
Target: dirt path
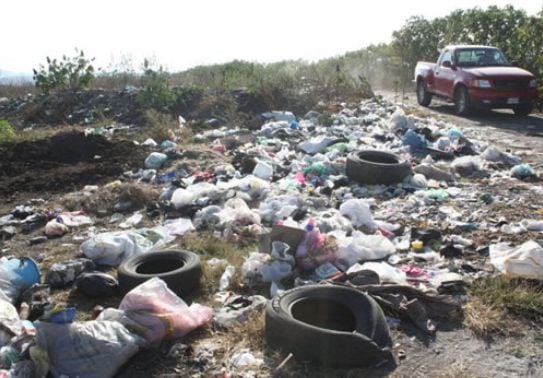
[522, 135]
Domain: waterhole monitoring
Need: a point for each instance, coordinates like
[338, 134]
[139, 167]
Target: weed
[6, 131]
[518, 297]
[209, 246]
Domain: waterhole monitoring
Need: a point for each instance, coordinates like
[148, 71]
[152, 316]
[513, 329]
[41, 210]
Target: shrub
[6, 131]
[156, 94]
[68, 73]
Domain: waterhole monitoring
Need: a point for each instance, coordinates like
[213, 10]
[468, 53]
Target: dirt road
[521, 135]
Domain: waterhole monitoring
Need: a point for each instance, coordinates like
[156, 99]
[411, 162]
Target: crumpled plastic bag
[55, 228]
[467, 165]
[280, 265]
[94, 349]
[159, 313]
[491, 153]
[315, 249]
[155, 160]
[362, 247]
[251, 270]
[386, 272]
[11, 284]
[202, 190]
[316, 144]
[111, 248]
[358, 211]
[237, 213]
[523, 171]
[524, 261]
[433, 172]
[10, 321]
[276, 208]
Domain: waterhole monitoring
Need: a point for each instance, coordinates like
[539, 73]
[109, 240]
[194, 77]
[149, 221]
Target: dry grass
[484, 319]
[141, 196]
[457, 370]
[208, 246]
[497, 305]
[163, 126]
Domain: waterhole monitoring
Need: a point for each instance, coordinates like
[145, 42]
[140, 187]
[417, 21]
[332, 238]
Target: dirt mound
[73, 108]
[64, 162]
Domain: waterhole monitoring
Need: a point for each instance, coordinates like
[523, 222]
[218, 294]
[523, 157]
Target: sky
[182, 34]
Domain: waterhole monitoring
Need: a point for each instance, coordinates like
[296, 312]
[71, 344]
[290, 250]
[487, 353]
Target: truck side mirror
[446, 64]
[514, 63]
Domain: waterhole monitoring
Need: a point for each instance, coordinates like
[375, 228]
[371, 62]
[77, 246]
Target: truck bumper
[489, 98]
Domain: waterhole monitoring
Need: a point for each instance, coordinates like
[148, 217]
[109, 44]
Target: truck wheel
[524, 109]
[462, 104]
[423, 97]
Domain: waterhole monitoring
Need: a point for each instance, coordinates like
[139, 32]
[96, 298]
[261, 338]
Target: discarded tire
[372, 167]
[181, 270]
[329, 325]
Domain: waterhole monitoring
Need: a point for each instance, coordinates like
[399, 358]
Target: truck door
[444, 76]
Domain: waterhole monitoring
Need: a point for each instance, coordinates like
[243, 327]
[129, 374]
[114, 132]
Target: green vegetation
[497, 304]
[68, 73]
[6, 131]
[299, 85]
[156, 93]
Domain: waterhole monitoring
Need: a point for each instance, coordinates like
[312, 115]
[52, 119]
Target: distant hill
[12, 77]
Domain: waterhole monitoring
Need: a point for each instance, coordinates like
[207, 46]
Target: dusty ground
[49, 170]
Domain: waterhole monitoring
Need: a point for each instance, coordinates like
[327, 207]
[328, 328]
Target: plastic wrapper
[524, 261]
[159, 313]
[358, 211]
[362, 247]
[94, 349]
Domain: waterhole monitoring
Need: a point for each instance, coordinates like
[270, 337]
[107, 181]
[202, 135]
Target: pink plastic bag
[161, 313]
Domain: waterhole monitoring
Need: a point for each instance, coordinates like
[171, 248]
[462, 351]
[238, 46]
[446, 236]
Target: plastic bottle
[226, 278]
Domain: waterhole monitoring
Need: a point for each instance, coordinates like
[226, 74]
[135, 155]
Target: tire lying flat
[372, 167]
[329, 325]
[180, 269]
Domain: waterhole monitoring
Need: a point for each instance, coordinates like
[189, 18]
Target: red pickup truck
[476, 76]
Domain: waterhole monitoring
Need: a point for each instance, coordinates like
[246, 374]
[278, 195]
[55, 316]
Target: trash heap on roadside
[387, 203]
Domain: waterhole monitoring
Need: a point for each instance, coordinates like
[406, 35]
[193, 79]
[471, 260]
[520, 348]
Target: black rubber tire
[180, 269]
[423, 97]
[462, 102]
[360, 339]
[523, 109]
[372, 167]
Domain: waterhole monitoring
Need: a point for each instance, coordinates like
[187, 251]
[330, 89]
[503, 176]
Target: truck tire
[462, 102]
[423, 96]
[334, 326]
[523, 109]
[181, 270]
[373, 167]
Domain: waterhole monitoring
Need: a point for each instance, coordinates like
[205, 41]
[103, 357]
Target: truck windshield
[477, 57]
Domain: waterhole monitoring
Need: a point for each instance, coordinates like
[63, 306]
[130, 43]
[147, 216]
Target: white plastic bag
[358, 211]
[110, 248]
[524, 261]
[362, 247]
[160, 313]
[387, 273]
[94, 349]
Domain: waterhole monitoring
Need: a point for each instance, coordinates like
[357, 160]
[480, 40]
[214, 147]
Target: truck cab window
[446, 56]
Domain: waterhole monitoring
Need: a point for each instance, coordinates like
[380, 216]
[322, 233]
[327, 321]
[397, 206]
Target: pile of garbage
[379, 201]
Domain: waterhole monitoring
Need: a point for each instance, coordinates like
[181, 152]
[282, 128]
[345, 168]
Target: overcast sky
[182, 34]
